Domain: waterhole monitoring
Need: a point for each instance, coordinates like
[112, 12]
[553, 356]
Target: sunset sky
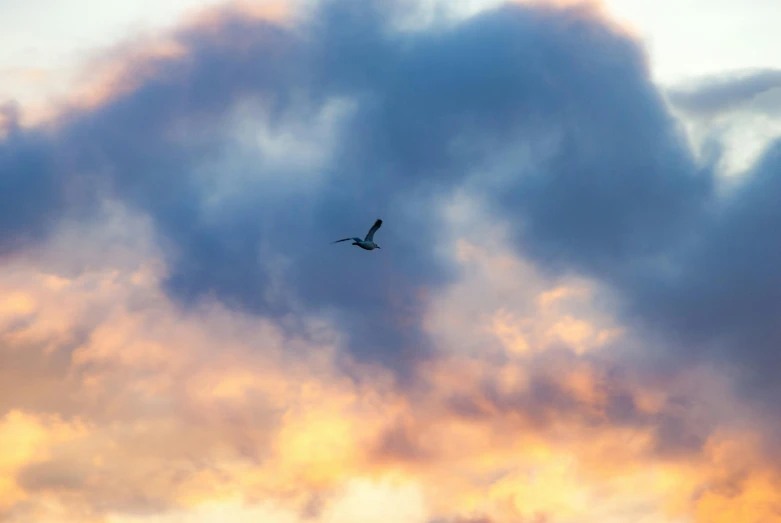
[574, 316]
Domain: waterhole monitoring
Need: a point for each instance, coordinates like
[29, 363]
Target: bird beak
[379, 247]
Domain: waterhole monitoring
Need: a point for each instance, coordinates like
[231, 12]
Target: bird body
[368, 242]
[369, 246]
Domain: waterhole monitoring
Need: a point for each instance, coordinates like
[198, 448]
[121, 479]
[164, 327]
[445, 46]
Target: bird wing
[344, 240]
[370, 235]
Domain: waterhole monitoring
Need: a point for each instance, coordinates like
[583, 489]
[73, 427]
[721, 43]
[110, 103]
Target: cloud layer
[176, 330]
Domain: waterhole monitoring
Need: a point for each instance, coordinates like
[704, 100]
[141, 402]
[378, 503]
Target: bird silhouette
[368, 242]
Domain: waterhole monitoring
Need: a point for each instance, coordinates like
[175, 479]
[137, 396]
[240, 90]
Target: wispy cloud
[713, 95]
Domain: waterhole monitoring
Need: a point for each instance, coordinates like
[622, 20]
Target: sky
[572, 319]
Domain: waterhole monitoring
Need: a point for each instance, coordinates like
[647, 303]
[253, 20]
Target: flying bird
[368, 242]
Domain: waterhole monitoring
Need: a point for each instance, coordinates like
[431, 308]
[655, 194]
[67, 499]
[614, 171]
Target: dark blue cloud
[617, 194]
[722, 299]
[32, 188]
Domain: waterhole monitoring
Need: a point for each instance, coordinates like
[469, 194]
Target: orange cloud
[26, 439]
[118, 406]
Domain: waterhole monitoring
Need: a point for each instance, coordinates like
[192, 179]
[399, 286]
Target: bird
[368, 242]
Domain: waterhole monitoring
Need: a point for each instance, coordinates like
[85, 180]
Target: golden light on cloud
[189, 413]
[127, 66]
[26, 439]
[194, 414]
[16, 304]
[510, 334]
[318, 447]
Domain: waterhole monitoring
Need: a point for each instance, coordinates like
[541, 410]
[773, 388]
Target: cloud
[416, 115]
[714, 95]
[32, 192]
[171, 304]
[153, 412]
[469, 520]
[720, 300]
[155, 408]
